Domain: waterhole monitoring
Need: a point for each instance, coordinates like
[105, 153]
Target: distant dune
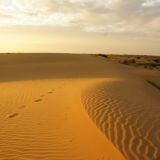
[75, 107]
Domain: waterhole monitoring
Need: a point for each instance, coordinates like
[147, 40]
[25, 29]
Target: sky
[80, 26]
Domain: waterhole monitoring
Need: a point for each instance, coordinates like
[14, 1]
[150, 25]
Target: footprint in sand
[38, 100]
[72, 140]
[59, 87]
[23, 106]
[13, 115]
[50, 92]
[42, 96]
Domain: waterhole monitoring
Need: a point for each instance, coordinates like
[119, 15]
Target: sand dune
[129, 119]
[47, 121]
[43, 103]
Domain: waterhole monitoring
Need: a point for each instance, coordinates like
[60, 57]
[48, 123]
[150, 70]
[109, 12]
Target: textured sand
[146, 74]
[43, 103]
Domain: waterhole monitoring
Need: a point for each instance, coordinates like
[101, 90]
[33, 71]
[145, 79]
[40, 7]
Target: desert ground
[77, 107]
[145, 66]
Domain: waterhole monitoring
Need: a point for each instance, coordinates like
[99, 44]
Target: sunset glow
[80, 26]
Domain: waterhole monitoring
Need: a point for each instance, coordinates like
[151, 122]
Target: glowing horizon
[80, 26]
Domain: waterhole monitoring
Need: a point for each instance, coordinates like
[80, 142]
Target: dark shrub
[152, 64]
[132, 61]
[103, 55]
[125, 61]
[156, 60]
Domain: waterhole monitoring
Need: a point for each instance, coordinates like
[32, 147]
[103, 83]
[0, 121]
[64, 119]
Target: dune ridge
[128, 118]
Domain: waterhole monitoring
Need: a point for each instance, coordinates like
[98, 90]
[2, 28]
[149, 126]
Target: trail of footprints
[37, 100]
[132, 125]
[13, 115]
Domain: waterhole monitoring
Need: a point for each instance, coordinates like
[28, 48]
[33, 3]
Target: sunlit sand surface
[61, 106]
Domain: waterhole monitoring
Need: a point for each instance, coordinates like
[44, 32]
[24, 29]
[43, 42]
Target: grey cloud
[66, 6]
[123, 11]
[120, 14]
[93, 7]
[150, 13]
[127, 11]
[133, 11]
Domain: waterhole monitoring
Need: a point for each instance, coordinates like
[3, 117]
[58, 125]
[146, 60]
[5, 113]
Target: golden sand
[63, 106]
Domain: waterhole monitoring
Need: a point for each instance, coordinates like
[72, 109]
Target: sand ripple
[128, 117]
[50, 124]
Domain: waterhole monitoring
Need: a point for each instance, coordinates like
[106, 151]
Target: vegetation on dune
[132, 60]
[147, 61]
[138, 57]
[154, 84]
[103, 55]
[157, 60]
[152, 64]
[125, 61]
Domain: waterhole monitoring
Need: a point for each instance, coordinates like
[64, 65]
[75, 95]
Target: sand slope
[43, 103]
[47, 121]
[128, 118]
[42, 116]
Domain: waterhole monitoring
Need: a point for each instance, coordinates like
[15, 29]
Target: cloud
[5, 16]
[105, 16]
[31, 14]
